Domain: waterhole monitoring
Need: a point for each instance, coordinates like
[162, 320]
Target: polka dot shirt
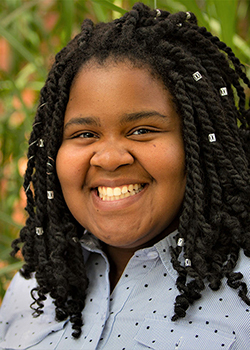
[137, 315]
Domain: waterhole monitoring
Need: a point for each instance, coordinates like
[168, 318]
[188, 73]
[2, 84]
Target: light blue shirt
[137, 315]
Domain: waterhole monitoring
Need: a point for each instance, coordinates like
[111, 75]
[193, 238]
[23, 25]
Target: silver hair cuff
[50, 194]
[212, 138]
[223, 91]
[197, 76]
[188, 262]
[180, 242]
[39, 231]
[40, 143]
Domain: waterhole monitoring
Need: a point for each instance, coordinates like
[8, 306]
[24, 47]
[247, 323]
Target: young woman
[137, 193]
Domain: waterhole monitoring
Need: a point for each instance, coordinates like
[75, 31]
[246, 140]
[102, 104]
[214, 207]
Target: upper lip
[115, 183]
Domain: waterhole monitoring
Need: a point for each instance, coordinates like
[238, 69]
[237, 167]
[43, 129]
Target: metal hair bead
[49, 168]
[188, 15]
[223, 91]
[40, 143]
[197, 76]
[33, 143]
[39, 231]
[50, 194]
[28, 187]
[43, 104]
[180, 242]
[158, 13]
[179, 24]
[188, 262]
[35, 124]
[51, 158]
[211, 138]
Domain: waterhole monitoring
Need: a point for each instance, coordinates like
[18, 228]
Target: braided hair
[205, 79]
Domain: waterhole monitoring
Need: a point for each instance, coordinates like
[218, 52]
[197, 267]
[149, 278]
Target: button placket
[100, 274]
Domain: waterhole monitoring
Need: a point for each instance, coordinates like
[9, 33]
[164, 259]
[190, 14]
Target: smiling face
[121, 163]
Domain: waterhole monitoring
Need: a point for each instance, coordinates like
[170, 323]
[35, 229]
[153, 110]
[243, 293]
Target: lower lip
[116, 204]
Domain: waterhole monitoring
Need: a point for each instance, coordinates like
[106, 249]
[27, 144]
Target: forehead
[118, 85]
[110, 93]
[112, 65]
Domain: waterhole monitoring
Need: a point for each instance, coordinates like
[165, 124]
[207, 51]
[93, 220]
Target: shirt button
[152, 255]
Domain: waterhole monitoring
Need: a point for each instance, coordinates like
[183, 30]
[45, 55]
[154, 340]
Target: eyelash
[145, 131]
[84, 135]
[137, 132]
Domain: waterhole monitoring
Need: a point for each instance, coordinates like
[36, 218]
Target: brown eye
[85, 135]
[141, 131]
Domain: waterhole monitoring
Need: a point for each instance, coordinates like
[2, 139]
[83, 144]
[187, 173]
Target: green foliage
[31, 32]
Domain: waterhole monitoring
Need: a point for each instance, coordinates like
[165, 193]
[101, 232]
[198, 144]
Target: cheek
[167, 161]
[71, 172]
[70, 167]
[62, 166]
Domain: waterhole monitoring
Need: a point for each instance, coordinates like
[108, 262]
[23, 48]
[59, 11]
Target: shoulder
[222, 313]
[18, 328]
[18, 296]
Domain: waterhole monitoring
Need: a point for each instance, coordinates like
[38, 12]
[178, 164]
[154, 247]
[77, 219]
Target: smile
[116, 193]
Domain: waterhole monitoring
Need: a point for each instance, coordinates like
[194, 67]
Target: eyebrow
[130, 117]
[91, 121]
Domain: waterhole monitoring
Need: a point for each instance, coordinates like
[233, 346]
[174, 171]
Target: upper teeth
[112, 193]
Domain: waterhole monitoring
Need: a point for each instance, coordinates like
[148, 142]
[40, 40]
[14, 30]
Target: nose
[110, 156]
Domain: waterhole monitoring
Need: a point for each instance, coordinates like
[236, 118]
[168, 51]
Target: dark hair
[204, 77]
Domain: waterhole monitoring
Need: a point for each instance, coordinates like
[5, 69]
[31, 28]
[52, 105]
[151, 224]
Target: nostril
[111, 158]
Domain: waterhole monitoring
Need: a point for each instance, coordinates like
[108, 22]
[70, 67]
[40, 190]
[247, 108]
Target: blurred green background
[31, 32]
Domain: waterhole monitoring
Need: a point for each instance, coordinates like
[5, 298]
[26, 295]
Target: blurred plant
[31, 32]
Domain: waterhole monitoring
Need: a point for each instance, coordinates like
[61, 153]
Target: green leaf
[10, 268]
[110, 6]
[102, 14]
[242, 46]
[8, 220]
[5, 253]
[20, 48]
[67, 17]
[17, 12]
[226, 12]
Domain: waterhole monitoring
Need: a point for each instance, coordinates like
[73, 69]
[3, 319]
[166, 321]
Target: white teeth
[130, 188]
[116, 193]
[124, 189]
[109, 191]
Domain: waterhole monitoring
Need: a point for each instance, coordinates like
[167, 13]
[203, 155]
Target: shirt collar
[91, 244]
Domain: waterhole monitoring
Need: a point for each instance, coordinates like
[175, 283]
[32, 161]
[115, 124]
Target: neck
[119, 257]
